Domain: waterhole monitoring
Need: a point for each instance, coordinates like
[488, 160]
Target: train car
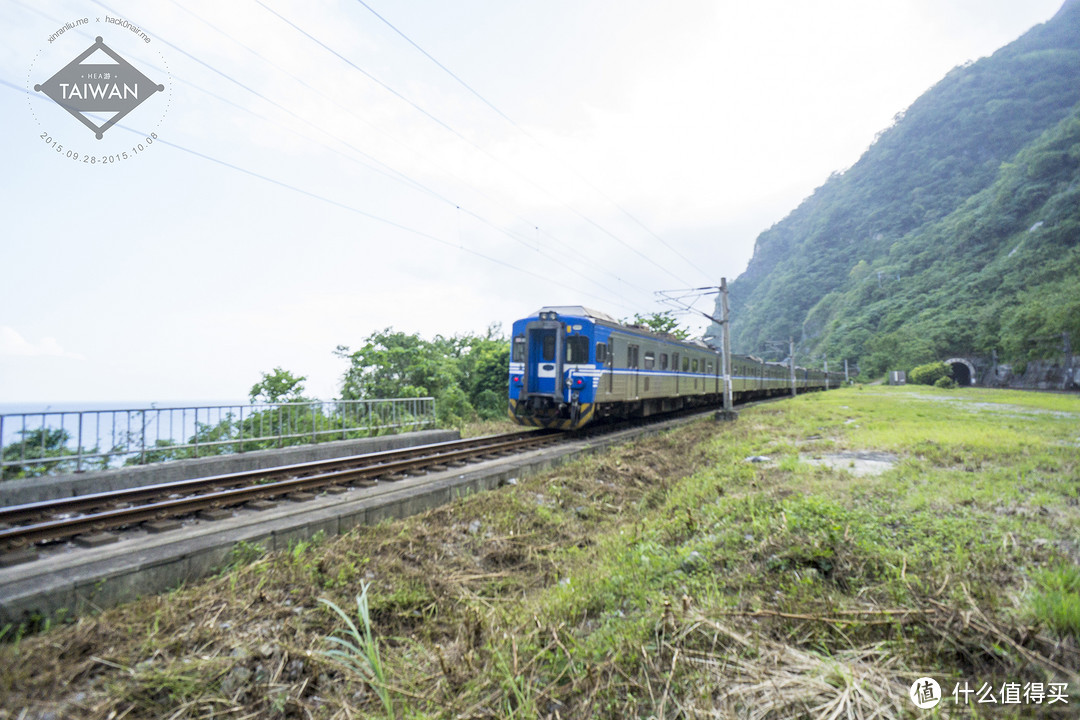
[571, 365]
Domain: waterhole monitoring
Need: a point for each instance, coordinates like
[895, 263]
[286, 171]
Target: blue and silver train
[570, 366]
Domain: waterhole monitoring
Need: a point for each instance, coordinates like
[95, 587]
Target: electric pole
[677, 298]
[791, 363]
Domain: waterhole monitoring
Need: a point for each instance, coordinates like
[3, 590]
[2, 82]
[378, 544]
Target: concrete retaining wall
[17, 492]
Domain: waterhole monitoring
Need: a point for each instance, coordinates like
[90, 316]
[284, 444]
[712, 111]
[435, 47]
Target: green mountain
[958, 231]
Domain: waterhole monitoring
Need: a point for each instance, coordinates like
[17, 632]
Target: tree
[661, 322]
[394, 364]
[466, 374]
[37, 444]
[278, 386]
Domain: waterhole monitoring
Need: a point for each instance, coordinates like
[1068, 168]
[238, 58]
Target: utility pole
[826, 372]
[726, 328]
[1068, 360]
[791, 362]
[678, 299]
[846, 380]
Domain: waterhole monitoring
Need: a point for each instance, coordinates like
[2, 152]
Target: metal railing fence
[46, 443]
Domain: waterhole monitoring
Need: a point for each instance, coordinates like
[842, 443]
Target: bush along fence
[53, 443]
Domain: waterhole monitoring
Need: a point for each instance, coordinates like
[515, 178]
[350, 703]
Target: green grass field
[885, 534]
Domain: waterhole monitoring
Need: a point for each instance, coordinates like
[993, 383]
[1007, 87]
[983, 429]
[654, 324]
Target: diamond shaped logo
[106, 84]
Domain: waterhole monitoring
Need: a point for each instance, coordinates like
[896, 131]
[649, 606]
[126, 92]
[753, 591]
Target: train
[571, 366]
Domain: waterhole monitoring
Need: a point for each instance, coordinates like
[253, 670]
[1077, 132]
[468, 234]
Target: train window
[577, 349]
[663, 361]
[650, 361]
[519, 348]
[709, 368]
[686, 364]
[601, 352]
[675, 362]
[549, 348]
[631, 356]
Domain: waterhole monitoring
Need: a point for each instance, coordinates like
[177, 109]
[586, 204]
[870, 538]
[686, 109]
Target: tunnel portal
[963, 372]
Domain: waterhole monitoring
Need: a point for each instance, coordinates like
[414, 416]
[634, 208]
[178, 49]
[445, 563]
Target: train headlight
[516, 379]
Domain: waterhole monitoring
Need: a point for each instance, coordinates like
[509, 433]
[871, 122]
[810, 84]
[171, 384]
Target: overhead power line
[529, 135]
[389, 172]
[335, 203]
[459, 135]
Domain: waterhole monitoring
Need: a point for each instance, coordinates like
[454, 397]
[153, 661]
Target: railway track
[23, 526]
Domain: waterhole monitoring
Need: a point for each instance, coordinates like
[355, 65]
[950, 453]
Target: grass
[1055, 601]
[667, 578]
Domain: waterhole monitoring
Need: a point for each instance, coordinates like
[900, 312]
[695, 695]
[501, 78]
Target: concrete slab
[18, 557]
[214, 514]
[96, 539]
[160, 526]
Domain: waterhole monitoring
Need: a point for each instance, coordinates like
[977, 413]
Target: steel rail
[29, 512]
[23, 535]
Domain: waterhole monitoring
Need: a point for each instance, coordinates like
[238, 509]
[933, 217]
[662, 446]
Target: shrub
[945, 382]
[928, 374]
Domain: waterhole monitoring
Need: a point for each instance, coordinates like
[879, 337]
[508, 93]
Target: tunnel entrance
[963, 372]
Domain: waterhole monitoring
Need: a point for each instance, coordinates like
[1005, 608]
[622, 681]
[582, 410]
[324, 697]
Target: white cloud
[12, 344]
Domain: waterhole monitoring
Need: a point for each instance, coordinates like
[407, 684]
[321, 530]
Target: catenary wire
[336, 203]
[457, 134]
[389, 172]
[510, 233]
[529, 135]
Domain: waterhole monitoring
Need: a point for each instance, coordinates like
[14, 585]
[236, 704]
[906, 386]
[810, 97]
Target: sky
[313, 172]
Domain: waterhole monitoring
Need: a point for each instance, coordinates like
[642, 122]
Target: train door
[543, 368]
[611, 367]
[632, 365]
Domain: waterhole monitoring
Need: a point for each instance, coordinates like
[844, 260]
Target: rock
[474, 527]
[758, 459]
[237, 678]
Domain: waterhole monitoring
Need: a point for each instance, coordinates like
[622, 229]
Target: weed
[243, 553]
[358, 650]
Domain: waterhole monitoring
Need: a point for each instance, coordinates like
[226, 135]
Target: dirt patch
[859, 463]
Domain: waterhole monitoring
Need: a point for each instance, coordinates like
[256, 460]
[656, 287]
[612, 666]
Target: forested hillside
[957, 231]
